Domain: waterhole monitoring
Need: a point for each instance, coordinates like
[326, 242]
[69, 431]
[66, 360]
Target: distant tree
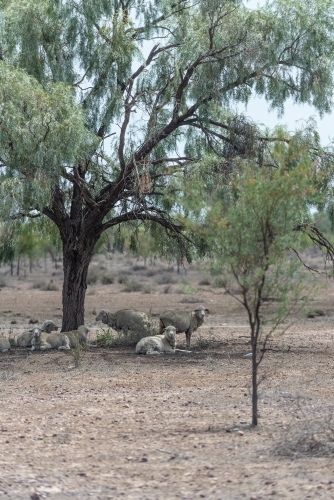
[27, 244]
[125, 95]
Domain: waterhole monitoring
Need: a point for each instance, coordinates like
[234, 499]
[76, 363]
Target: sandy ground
[163, 427]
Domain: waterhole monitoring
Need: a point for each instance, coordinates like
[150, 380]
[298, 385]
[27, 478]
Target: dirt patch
[136, 427]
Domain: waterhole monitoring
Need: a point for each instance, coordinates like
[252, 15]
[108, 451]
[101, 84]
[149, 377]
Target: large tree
[122, 95]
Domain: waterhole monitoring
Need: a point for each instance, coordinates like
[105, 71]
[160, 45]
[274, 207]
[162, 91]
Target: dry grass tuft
[46, 287]
[310, 434]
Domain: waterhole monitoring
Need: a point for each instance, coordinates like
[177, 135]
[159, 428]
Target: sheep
[24, 339]
[124, 319]
[78, 337]
[4, 344]
[184, 321]
[43, 341]
[158, 344]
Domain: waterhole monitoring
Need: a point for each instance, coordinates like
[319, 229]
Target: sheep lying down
[4, 344]
[61, 341]
[158, 344]
[78, 337]
[24, 339]
[43, 341]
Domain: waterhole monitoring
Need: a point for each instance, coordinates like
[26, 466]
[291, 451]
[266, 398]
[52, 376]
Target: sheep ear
[207, 311]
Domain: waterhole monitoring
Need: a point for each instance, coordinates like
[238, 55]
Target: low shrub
[132, 286]
[165, 279]
[78, 355]
[205, 282]
[152, 272]
[107, 279]
[187, 289]
[219, 283]
[46, 287]
[122, 279]
[138, 267]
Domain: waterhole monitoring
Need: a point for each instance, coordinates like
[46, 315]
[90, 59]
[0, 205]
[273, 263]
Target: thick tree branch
[155, 216]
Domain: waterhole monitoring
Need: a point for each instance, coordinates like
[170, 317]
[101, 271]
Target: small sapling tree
[255, 247]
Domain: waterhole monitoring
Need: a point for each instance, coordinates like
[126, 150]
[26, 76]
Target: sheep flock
[155, 337]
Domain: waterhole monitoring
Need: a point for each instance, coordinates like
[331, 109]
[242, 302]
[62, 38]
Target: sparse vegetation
[107, 279]
[187, 289]
[78, 354]
[204, 282]
[113, 339]
[165, 278]
[309, 434]
[138, 267]
[132, 286]
[46, 286]
[122, 279]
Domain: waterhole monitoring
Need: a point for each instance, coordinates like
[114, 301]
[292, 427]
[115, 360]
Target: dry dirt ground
[162, 427]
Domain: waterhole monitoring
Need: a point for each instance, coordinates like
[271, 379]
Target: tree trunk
[18, 264]
[76, 258]
[254, 382]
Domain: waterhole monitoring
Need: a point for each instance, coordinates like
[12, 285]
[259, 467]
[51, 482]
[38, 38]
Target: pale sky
[294, 115]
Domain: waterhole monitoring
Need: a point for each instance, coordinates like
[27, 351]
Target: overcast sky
[294, 115]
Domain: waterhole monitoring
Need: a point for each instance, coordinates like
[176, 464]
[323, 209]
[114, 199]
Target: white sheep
[43, 341]
[183, 321]
[158, 343]
[78, 337]
[128, 321]
[24, 339]
[4, 344]
[124, 320]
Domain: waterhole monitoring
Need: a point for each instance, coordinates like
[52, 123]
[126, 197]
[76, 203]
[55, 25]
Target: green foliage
[113, 339]
[40, 130]
[27, 242]
[283, 50]
[7, 247]
[255, 246]
[78, 353]
[254, 238]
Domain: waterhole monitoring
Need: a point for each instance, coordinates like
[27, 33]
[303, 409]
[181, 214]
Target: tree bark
[76, 259]
[254, 381]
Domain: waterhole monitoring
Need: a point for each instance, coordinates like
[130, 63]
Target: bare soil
[162, 427]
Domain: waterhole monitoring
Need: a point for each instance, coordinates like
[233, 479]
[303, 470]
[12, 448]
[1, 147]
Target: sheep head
[170, 335]
[200, 312]
[36, 334]
[83, 329]
[49, 326]
[104, 316]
